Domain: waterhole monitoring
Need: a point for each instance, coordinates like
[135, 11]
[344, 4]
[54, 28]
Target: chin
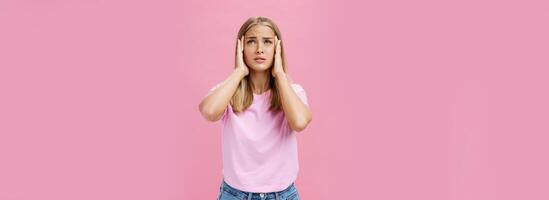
[260, 68]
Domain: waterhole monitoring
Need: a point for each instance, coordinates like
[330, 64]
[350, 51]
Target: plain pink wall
[410, 100]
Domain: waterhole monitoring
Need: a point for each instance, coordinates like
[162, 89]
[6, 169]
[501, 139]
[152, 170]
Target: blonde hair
[243, 97]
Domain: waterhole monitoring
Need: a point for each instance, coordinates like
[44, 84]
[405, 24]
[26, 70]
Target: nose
[259, 49]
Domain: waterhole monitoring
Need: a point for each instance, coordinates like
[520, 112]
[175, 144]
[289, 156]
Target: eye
[268, 42]
[250, 41]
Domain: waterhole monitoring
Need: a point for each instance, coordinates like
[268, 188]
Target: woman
[261, 110]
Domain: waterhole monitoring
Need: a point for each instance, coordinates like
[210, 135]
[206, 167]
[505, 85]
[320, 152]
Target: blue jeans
[229, 193]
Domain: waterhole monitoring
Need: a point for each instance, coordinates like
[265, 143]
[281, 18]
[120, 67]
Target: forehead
[260, 31]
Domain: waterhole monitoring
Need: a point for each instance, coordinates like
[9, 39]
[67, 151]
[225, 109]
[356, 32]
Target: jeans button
[262, 195]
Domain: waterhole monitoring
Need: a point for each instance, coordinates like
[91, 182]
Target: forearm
[297, 113]
[213, 105]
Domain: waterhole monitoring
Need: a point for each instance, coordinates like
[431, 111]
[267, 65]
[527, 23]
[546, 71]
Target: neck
[260, 81]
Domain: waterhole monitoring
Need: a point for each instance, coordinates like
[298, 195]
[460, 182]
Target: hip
[227, 192]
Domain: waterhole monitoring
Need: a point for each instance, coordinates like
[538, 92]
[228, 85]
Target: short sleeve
[226, 109]
[302, 96]
[300, 93]
[213, 88]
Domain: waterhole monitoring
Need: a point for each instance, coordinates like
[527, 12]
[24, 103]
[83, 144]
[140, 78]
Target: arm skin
[213, 105]
[297, 113]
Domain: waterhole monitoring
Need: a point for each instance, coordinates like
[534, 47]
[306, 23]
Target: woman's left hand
[277, 68]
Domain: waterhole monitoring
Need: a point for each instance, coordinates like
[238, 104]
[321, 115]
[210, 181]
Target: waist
[290, 190]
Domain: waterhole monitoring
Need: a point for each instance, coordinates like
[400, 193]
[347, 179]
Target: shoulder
[215, 87]
[300, 92]
[297, 87]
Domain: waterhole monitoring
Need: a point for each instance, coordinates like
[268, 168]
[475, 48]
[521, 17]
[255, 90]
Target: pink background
[418, 100]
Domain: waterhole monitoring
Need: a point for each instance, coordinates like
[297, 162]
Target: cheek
[248, 54]
[270, 53]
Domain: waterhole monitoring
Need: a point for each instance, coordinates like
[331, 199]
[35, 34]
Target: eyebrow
[253, 37]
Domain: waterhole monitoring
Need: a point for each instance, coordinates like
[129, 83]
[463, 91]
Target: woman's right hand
[240, 65]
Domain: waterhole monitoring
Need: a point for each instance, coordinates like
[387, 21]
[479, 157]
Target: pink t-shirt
[259, 148]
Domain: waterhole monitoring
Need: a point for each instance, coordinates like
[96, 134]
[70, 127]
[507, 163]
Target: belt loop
[220, 191]
[250, 196]
[276, 196]
[222, 184]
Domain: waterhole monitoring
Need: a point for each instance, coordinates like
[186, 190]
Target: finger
[238, 44]
[242, 43]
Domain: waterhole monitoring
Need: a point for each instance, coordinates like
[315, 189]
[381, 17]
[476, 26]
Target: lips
[259, 59]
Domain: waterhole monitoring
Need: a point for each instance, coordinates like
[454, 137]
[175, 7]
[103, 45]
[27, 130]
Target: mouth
[259, 60]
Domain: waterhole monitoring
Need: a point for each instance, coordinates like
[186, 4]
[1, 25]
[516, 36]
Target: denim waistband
[290, 190]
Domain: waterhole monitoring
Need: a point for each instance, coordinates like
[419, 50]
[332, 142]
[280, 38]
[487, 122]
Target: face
[259, 47]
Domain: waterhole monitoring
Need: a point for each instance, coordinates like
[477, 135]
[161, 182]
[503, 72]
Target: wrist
[280, 77]
[280, 74]
[240, 72]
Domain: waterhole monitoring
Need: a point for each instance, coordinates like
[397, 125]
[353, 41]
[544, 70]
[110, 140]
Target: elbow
[209, 116]
[297, 128]
[207, 113]
[300, 125]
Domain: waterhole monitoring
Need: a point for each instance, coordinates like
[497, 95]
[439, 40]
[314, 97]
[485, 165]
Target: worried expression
[259, 47]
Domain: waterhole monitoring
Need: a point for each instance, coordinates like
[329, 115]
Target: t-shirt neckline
[262, 94]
